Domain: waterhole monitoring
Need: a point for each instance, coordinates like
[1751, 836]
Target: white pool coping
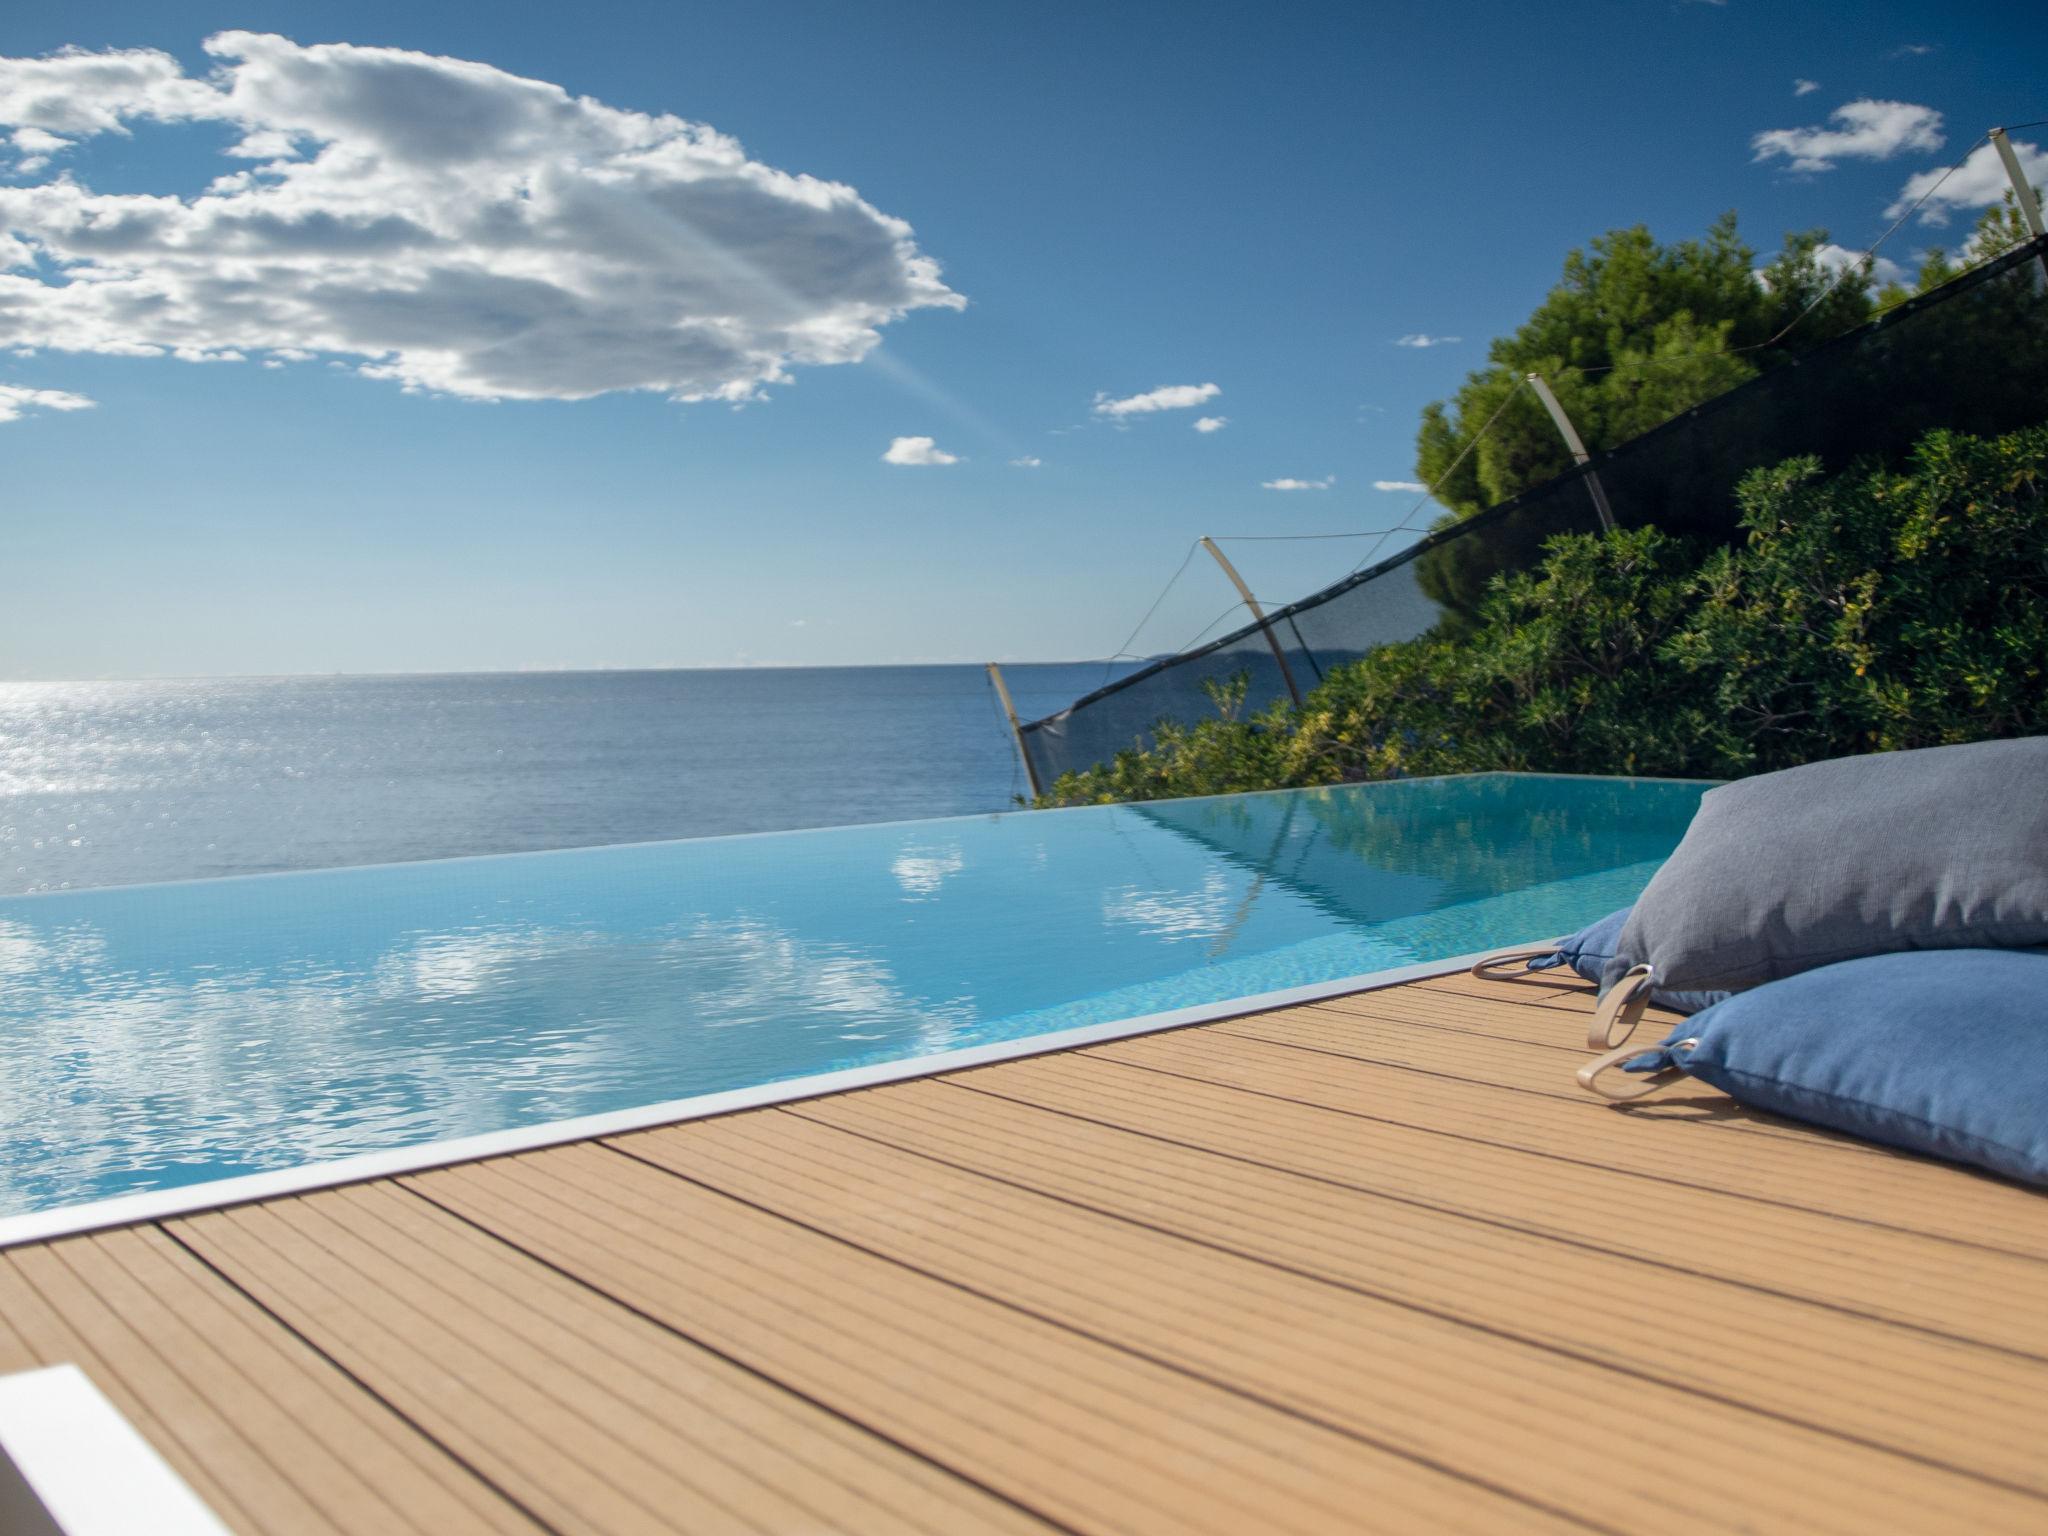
[188, 1199]
[71, 1465]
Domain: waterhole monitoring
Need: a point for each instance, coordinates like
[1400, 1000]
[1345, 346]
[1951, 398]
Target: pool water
[156, 1036]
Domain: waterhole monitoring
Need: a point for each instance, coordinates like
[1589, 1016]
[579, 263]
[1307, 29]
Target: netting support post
[995, 675]
[1570, 434]
[2022, 189]
[1258, 613]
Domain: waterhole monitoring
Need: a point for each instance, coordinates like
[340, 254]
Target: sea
[114, 783]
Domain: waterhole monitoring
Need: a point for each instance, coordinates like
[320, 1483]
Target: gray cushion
[1937, 849]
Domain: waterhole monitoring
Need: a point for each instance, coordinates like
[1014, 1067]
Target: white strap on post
[2022, 189]
[1570, 434]
[1258, 613]
[995, 675]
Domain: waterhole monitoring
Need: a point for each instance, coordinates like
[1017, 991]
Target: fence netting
[1972, 356]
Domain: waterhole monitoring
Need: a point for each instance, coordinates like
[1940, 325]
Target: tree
[1633, 334]
[1999, 228]
[1883, 606]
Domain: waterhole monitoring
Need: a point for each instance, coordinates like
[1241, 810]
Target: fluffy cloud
[1805, 87]
[448, 225]
[918, 451]
[1290, 484]
[35, 147]
[1423, 339]
[1212, 423]
[1978, 184]
[1864, 130]
[1029, 461]
[1830, 257]
[1168, 397]
[75, 94]
[1415, 486]
[16, 401]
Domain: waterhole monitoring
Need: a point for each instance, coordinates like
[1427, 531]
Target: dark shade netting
[1971, 356]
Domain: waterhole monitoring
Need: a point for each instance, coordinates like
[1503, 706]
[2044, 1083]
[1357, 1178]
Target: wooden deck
[1370, 1264]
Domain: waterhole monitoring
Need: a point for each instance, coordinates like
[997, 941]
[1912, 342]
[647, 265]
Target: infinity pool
[156, 1036]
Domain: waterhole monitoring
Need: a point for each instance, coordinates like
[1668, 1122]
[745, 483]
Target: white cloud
[1978, 184]
[36, 148]
[1805, 87]
[921, 451]
[1207, 424]
[1290, 484]
[1414, 486]
[1864, 130]
[1912, 50]
[1029, 461]
[1831, 258]
[1423, 339]
[444, 225]
[1168, 397]
[78, 94]
[17, 400]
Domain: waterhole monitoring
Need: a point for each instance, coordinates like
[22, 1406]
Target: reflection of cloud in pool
[26, 952]
[921, 871]
[1174, 915]
[204, 1075]
[458, 965]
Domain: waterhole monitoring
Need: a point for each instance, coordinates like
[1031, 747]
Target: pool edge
[218, 1194]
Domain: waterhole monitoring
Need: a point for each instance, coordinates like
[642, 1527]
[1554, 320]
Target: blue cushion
[1588, 951]
[1939, 1051]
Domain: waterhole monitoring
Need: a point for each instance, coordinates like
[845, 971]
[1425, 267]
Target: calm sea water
[119, 782]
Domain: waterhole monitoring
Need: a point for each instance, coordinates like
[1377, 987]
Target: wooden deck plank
[1472, 1401]
[1423, 1033]
[594, 1417]
[1971, 1294]
[1693, 1135]
[311, 1407]
[469, 1401]
[1954, 1403]
[1544, 1072]
[1391, 1017]
[1364, 1264]
[1684, 1137]
[1097, 1439]
[243, 1411]
[1511, 1004]
[788, 1446]
[189, 1434]
[1555, 1021]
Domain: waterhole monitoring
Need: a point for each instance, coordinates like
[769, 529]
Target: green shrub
[1872, 610]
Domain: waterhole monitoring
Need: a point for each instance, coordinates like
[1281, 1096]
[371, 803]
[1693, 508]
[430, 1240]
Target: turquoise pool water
[153, 1036]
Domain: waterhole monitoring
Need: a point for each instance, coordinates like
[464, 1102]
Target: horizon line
[594, 671]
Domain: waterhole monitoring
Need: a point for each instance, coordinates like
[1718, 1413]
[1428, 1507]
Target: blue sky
[1127, 198]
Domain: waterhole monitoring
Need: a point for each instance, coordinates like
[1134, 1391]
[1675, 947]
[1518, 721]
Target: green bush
[1877, 609]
